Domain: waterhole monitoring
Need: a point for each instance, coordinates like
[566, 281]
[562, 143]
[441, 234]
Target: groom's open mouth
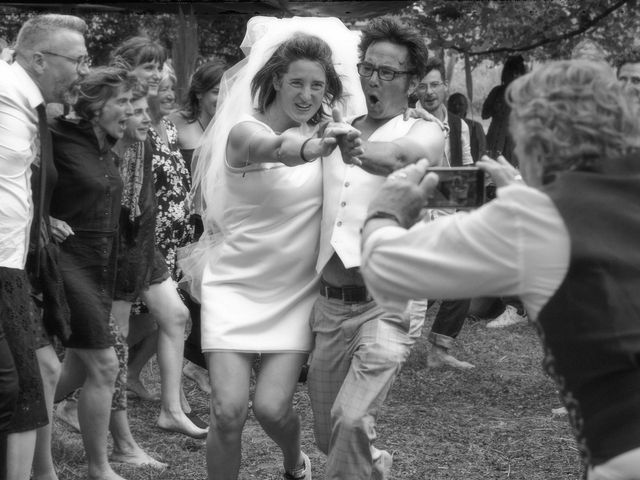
[373, 99]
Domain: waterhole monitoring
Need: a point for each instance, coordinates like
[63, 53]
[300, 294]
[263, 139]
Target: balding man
[50, 55]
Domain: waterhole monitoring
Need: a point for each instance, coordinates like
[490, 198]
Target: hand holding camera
[500, 170]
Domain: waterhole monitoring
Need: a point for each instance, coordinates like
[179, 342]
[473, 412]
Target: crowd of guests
[293, 213]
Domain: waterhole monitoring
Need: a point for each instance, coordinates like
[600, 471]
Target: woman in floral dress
[171, 175]
[144, 58]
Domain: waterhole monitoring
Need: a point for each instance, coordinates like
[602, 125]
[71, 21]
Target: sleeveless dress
[258, 294]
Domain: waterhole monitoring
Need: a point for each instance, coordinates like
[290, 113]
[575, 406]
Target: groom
[359, 349]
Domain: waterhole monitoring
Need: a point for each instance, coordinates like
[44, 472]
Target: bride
[260, 182]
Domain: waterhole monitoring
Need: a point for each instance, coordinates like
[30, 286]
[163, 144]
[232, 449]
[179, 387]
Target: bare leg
[125, 448]
[20, 449]
[198, 375]
[72, 375]
[143, 333]
[145, 349]
[94, 408]
[43, 468]
[230, 372]
[273, 403]
[167, 308]
[121, 311]
[67, 412]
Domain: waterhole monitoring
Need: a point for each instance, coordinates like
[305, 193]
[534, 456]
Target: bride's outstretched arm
[251, 143]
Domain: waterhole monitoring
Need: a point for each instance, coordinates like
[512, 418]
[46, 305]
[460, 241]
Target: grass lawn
[492, 422]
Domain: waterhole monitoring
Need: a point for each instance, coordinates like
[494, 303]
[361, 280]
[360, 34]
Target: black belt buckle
[355, 294]
[347, 294]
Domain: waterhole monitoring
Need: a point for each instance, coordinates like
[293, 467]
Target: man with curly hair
[359, 349]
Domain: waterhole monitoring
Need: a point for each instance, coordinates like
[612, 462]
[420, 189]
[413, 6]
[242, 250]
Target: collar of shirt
[86, 127]
[31, 91]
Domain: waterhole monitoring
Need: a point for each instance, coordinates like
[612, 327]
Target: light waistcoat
[347, 192]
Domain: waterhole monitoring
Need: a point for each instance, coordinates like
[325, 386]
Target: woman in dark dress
[495, 106]
[190, 122]
[85, 209]
[199, 108]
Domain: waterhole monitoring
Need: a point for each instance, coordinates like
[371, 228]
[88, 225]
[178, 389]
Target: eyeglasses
[632, 80]
[423, 87]
[384, 73]
[81, 61]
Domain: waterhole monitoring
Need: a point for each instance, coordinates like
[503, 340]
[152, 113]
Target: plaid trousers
[358, 352]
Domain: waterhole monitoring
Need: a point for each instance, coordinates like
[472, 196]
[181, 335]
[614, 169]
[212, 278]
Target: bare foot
[45, 476]
[105, 473]
[135, 385]
[184, 403]
[439, 357]
[198, 375]
[67, 412]
[180, 423]
[139, 458]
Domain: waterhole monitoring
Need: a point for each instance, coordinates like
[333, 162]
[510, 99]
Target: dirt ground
[491, 422]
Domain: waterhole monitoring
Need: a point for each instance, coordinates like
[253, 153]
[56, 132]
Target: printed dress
[173, 183]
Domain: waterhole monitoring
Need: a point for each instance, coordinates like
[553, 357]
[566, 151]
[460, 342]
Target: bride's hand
[348, 138]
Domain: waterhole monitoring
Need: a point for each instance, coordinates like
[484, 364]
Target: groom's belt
[346, 293]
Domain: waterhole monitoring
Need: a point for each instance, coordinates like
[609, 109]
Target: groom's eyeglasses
[384, 73]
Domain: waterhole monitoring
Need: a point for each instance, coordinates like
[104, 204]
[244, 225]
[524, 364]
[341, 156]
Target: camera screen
[459, 187]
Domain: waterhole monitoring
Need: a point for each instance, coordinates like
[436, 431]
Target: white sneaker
[382, 466]
[300, 474]
[559, 412]
[509, 317]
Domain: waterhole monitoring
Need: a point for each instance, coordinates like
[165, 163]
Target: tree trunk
[185, 52]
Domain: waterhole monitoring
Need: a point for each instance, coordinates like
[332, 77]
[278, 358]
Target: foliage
[220, 35]
[541, 29]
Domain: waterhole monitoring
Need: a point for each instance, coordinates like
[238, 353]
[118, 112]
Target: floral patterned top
[173, 183]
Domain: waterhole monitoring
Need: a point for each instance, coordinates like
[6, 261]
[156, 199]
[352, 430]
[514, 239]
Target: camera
[459, 187]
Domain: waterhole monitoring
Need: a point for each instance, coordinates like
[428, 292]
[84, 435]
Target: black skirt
[20, 329]
[88, 265]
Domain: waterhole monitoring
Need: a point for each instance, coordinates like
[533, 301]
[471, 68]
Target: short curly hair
[434, 63]
[574, 115]
[97, 88]
[630, 56]
[389, 29]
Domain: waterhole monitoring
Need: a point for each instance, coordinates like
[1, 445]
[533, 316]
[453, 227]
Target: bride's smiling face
[301, 89]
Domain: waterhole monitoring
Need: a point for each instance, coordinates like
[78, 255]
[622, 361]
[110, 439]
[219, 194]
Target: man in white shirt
[433, 92]
[566, 243]
[359, 349]
[50, 55]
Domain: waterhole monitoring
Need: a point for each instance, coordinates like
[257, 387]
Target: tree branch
[544, 41]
